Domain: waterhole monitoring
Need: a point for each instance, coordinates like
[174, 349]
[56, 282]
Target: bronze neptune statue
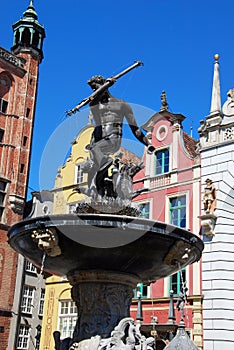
[108, 113]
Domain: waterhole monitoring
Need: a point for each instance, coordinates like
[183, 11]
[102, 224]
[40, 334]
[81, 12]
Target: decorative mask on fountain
[47, 240]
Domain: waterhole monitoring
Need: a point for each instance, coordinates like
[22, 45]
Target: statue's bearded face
[96, 81]
[95, 85]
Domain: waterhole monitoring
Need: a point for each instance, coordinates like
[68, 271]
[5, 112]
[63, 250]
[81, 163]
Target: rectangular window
[2, 196]
[3, 105]
[144, 210]
[3, 186]
[23, 338]
[79, 174]
[141, 291]
[162, 161]
[41, 305]
[1, 135]
[29, 267]
[27, 300]
[27, 113]
[25, 141]
[178, 211]
[176, 281]
[67, 318]
[21, 168]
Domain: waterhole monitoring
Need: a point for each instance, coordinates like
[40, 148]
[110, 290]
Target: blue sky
[175, 39]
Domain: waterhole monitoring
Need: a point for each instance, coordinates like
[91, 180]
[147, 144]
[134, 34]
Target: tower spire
[30, 12]
[28, 33]
[216, 97]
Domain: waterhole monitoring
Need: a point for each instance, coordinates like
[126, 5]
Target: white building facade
[217, 220]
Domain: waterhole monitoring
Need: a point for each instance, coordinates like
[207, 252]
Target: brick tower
[18, 91]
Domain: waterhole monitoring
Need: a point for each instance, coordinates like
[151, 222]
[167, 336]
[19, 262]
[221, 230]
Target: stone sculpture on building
[208, 219]
[209, 198]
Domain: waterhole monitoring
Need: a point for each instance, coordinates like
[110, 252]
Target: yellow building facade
[60, 312]
[70, 174]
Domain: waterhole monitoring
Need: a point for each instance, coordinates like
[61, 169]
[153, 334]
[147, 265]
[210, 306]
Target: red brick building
[18, 91]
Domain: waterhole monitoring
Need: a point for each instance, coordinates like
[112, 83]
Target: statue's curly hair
[97, 78]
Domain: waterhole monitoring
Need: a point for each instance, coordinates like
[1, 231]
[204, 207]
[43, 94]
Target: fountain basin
[146, 249]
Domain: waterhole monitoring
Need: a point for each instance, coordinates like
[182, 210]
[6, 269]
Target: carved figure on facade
[209, 198]
[231, 94]
[228, 107]
[47, 240]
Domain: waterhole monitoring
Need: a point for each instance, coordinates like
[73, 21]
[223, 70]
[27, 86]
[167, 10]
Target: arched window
[5, 84]
[26, 36]
[17, 38]
[35, 40]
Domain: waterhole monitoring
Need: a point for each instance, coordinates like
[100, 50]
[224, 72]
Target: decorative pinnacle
[164, 106]
[216, 95]
[216, 57]
[30, 12]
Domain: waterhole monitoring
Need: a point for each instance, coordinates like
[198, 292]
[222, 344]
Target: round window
[162, 132]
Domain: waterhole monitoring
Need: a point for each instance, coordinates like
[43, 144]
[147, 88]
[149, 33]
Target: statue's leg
[99, 156]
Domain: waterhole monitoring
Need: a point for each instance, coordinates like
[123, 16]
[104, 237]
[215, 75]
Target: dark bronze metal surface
[141, 247]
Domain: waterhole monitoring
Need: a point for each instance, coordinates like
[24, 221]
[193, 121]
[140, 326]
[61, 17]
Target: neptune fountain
[105, 248]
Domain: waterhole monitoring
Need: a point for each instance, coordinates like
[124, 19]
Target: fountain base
[103, 298]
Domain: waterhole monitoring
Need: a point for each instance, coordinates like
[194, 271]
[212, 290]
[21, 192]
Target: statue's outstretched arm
[135, 128]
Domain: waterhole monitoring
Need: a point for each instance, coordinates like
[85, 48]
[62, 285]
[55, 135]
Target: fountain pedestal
[104, 256]
[103, 299]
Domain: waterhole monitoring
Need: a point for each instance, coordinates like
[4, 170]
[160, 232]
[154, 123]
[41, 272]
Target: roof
[190, 145]
[149, 125]
[129, 156]
[181, 340]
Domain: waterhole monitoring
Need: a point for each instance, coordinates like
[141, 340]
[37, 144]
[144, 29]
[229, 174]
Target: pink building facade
[172, 179]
